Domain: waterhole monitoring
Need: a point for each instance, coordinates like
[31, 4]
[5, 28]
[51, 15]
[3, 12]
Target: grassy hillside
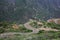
[41, 35]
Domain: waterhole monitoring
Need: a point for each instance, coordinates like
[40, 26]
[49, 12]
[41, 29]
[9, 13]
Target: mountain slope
[22, 10]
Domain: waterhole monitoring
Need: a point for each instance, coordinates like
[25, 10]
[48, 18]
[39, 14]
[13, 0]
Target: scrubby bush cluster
[45, 24]
[12, 27]
[53, 25]
[4, 26]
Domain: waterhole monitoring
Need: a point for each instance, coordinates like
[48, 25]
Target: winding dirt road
[35, 30]
[3, 35]
[31, 28]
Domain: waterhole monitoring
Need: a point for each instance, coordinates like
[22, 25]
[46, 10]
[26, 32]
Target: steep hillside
[22, 10]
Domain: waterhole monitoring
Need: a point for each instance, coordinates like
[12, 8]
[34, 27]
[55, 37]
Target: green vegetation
[4, 26]
[42, 35]
[53, 25]
[45, 24]
[33, 23]
[7, 27]
[21, 28]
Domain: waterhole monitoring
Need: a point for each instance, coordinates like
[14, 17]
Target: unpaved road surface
[35, 30]
[31, 28]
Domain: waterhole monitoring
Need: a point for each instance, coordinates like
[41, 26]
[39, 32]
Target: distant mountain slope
[22, 10]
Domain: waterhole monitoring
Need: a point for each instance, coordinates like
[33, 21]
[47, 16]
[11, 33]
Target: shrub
[2, 30]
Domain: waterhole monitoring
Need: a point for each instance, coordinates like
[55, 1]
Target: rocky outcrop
[57, 20]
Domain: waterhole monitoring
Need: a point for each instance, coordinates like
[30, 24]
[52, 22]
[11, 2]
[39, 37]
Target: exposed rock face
[51, 20]
[15, 26]
[57, 21]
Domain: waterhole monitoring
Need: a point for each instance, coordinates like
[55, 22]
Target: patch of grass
[3, 26]
[43, 35]
[20, 29]
[7, 27]
[53, 25]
